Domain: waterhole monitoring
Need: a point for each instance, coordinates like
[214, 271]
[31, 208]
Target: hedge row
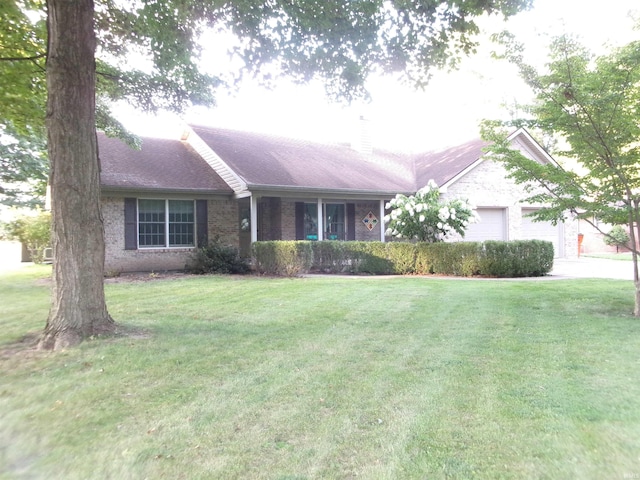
[520, 258]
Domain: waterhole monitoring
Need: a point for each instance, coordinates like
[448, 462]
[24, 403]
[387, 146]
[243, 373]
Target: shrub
[285, 258]
[459, 259]
[519, 258]
[369, 257]
[426, 217]
[329, 256]
[617, 237]
[216, 258]
[34, 231]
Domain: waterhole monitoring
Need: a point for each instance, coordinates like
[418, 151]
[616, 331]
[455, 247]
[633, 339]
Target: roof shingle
[161, 164]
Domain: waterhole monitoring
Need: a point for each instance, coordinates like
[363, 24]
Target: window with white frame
[166, 223]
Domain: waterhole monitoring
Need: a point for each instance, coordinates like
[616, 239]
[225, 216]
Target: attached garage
[492, 225]
[542, 231]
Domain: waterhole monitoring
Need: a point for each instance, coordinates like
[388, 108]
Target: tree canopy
[590, 105]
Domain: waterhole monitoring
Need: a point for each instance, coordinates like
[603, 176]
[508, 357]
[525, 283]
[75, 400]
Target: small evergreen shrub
[216, 257]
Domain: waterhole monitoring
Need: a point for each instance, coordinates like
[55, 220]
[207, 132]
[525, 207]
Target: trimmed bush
[329, 256]
[519, 258]
[216, 258]
[402, 256]
[369, 257]
[523, 258]
[283, 257]
[458, 259]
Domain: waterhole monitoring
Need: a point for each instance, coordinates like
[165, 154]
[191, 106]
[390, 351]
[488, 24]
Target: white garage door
[541, 231]
[492, 226]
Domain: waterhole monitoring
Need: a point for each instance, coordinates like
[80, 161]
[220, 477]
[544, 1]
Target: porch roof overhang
[290, 191]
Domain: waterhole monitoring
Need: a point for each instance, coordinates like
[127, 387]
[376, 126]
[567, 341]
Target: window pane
[310, 221]
[334, 221]
[151, 223]
[181, 223]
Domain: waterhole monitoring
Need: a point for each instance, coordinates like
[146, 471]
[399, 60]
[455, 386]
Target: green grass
[328, 378]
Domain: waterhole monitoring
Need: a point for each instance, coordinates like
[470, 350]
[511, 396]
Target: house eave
[163, 191]
[319, 192]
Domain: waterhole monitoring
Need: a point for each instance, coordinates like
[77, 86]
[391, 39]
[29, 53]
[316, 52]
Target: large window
[163, 223]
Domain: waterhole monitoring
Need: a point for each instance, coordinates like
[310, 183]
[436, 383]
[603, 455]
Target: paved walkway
[587, 267]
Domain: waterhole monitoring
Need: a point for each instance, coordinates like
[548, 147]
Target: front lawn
[327, 378]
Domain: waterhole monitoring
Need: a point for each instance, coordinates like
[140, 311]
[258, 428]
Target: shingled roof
[161, 165]
[442, 166]
[266, 161]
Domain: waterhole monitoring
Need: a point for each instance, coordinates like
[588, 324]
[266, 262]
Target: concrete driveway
[587, 267]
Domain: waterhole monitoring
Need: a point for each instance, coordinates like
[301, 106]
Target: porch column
[254, 218]
[382, 225]
[320, 221]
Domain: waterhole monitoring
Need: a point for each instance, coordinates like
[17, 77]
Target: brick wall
[223, 221]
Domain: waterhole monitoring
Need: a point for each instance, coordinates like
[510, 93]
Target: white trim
[237, 184]
[253, 213]
[529, 142]
[381, 222]
[320, 220]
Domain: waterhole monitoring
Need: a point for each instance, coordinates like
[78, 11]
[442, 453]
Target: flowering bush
[425, 218]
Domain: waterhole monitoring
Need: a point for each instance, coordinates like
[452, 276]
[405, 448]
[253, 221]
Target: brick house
[172, 195]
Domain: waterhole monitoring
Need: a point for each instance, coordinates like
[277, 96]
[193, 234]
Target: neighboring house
[162, 201]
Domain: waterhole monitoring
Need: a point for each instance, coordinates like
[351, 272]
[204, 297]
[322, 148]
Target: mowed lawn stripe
[231, 377]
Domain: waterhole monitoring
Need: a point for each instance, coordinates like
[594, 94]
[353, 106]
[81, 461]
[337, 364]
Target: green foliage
[215, 257]
[524, 258]
[34, 231]
[520, 258]
[427, 218]
[590, 103]
[458, 259]
[283, 258]
[617, 237]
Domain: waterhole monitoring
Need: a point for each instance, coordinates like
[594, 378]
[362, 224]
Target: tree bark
[78, 307]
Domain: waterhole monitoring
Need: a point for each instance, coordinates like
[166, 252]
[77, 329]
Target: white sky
[451, 107]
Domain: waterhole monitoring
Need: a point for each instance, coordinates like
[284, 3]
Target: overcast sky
[449, 110]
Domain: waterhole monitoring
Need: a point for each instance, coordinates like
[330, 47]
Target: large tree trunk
[78, 308]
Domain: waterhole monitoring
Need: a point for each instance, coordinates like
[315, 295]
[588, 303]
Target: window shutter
[130, 224]
[299, 221]
[351, 221]
[202, 223]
